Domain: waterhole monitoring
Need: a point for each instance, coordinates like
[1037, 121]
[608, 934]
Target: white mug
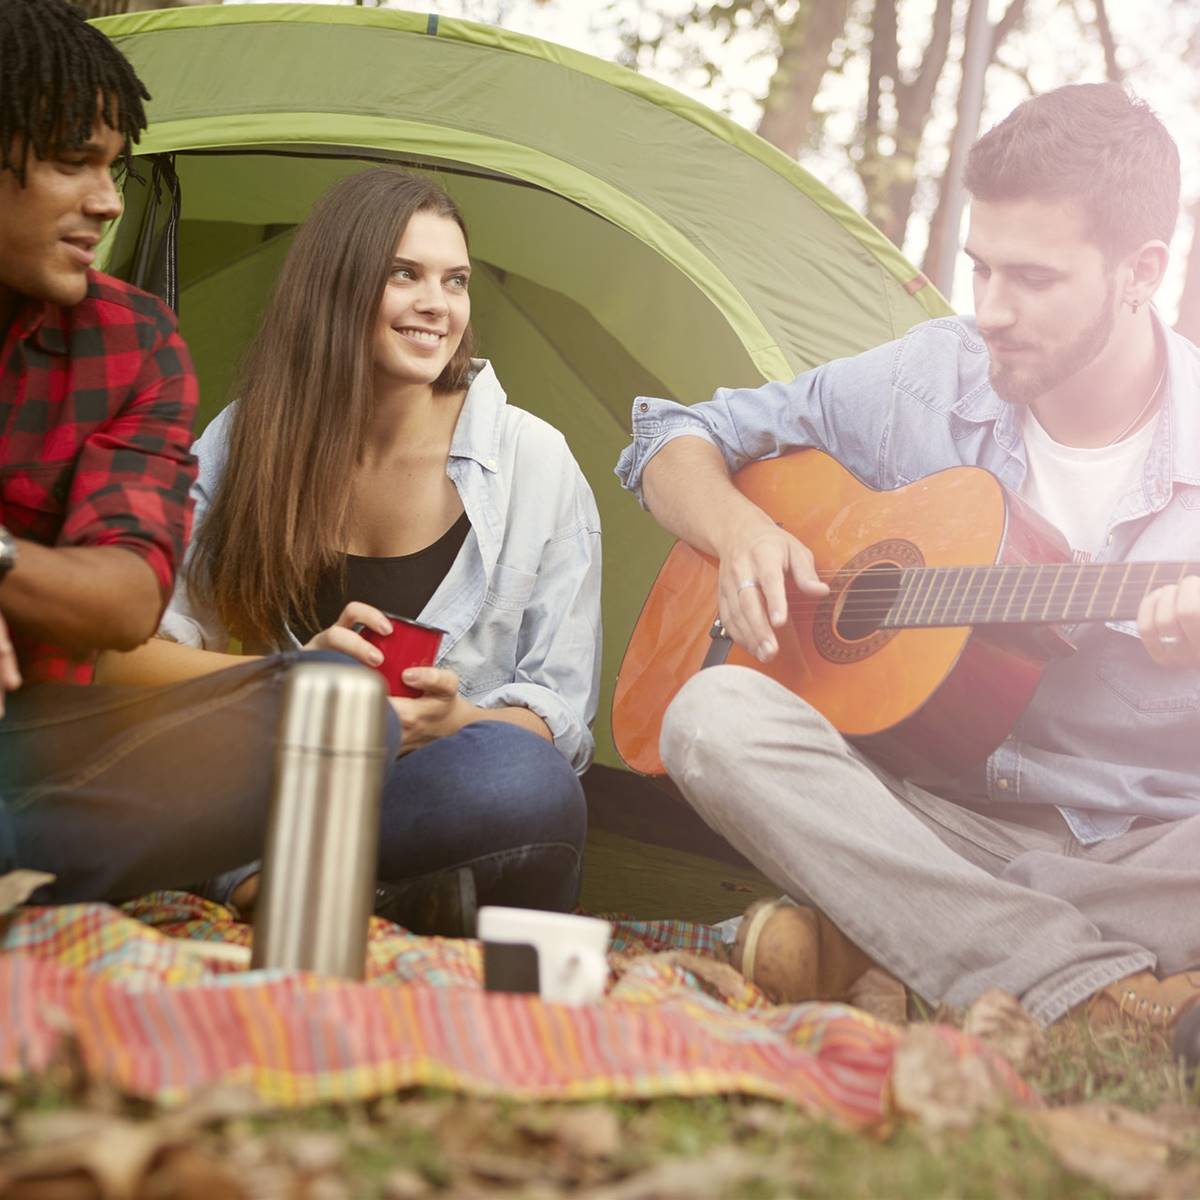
[560, 956]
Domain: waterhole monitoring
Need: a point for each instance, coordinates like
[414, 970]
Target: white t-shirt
[1077, 489]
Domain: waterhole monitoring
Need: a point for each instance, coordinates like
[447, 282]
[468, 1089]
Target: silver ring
[1168, 639]
[741, 587]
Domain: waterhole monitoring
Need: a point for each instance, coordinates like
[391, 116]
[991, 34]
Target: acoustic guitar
[940, 618]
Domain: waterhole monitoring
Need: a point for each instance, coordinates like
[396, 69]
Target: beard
[1024, 384]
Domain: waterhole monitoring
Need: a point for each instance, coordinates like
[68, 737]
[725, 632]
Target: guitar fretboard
[1053, 594]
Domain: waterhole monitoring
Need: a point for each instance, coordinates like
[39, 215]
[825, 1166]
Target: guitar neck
[1029, 594]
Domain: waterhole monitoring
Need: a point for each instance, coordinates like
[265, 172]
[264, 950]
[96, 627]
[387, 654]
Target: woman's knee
[525, 777]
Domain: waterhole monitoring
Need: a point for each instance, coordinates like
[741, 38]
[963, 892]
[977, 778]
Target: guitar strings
[1009, 568]
[877, 603]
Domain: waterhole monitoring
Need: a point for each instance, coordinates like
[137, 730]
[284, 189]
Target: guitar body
[910, 698]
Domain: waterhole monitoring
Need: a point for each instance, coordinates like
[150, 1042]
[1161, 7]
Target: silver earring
[1134, 305]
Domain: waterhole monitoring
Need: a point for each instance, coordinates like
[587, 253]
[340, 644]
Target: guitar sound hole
[867, 600]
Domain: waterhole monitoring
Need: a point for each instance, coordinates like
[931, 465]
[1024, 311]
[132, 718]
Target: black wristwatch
[8, 552]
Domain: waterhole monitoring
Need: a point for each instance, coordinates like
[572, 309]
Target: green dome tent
[626, 239]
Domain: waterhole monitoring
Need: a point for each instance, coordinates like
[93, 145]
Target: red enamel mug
[410, 644]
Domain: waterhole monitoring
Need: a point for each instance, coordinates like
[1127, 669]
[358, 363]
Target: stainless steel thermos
[319, 866]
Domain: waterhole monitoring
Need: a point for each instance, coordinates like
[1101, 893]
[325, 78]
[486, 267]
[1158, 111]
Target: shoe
[796, 953]
[1143, 1000]
[441, 905]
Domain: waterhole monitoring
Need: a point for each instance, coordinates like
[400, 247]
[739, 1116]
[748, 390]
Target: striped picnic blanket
[160, 1023]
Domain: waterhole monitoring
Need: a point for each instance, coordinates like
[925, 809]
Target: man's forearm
[82, 597]
[689, 491]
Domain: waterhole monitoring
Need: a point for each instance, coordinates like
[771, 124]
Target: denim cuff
[219, 888]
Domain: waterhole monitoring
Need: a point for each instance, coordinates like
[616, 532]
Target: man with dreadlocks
[115, 791]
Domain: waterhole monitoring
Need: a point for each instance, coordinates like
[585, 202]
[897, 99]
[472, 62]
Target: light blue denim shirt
[521, 602]
[1109, 736]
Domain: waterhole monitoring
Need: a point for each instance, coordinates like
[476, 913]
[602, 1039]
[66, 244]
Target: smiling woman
[372, 469]
[426, 307]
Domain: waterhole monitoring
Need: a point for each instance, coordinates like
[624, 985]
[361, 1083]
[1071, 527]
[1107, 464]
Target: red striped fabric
[159, 1023]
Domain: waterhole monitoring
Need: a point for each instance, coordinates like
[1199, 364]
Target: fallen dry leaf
[1180, 1121]
[503, 1168]
[774, 1120]
[77, 1186]
[1182, 1183]
[422, 1114]
[97, 1153]
[1120, 1149]
[403, 1184]
[324, 1187]
[270, 1181]
[58, 1125]
[589, 1131]
[17, 886]
[115, 1155]
[311, 1153]
[723, 1172]
[219, 1102]
[187, 1173]
[998, 1020]
[880, 994]
[938, 1087]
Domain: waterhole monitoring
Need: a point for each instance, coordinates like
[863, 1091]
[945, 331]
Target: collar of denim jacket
[481, 422]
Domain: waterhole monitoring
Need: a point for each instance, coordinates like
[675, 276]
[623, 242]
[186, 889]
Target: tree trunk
[936, 255]
[874, 169]
[803, 60]
[914, 102]
[1104, 27]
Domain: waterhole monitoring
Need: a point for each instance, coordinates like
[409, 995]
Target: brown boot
[1143, 1000]
[796, 953]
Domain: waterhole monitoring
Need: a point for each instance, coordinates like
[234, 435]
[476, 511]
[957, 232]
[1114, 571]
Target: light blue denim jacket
[1109, 736]
[521, 602]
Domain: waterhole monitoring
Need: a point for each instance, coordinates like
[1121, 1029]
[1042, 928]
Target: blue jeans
[121, 790]
[493, 797]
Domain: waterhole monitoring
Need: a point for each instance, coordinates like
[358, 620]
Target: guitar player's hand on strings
[758, 561]
[1169, 623]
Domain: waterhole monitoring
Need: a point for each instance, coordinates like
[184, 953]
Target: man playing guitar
[1063, 867]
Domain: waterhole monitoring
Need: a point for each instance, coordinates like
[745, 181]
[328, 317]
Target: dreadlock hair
[54, 69]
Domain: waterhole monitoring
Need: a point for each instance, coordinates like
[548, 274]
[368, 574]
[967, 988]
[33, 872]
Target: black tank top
[402, 585]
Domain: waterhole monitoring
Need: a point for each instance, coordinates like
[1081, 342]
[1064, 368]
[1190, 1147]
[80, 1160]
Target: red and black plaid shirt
[96, 409]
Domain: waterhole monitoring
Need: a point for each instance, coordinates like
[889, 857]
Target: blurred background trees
[880, 98]
[894, 89]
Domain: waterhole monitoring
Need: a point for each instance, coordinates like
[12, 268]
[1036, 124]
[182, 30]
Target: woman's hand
[440, 712]
[340, 636]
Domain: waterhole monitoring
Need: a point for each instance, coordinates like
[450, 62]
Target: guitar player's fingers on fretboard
[1169, 623]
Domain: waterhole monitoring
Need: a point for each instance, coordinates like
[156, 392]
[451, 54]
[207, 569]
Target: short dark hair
[54, 70]
[1091, 142]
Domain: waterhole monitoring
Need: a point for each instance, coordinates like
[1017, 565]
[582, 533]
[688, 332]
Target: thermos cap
[331, 708]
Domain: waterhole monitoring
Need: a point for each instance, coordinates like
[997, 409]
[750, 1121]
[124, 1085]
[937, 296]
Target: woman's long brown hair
[281, 511]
